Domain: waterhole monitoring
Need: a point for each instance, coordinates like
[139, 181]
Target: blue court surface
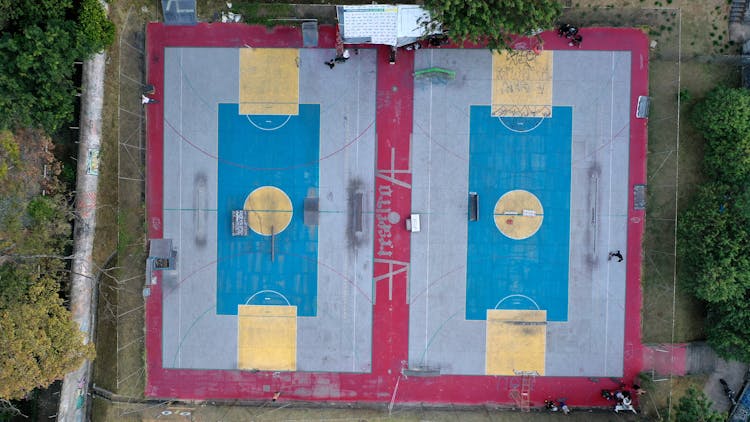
[257, 151]
[531, 154]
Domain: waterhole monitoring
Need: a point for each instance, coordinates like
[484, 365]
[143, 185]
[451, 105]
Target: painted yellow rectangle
[269, 81]
[516, 341]
[522, 84]
[267, 338]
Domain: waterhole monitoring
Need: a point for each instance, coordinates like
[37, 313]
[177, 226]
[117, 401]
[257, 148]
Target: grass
[120, 326]
[657, 401]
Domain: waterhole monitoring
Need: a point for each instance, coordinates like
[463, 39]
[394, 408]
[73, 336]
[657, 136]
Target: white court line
[179, 230]
[429, 210]
[356, 251]
[609, 208]
[249, 119]
[500, 118]
[517, 295]
[247, 302]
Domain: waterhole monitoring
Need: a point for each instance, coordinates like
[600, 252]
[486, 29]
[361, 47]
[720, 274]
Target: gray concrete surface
[83, 273]
[338, 338]
[590, 343]
[701, 359]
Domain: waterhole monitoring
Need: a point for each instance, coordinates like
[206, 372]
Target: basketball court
[434, 230]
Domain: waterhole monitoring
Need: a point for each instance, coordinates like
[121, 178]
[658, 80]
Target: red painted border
[390, 311]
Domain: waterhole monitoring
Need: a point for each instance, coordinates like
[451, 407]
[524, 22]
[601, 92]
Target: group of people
[571, 33]
[559, 406]
[623, 397]
[340, 58]
[146, 98]
[435, 40]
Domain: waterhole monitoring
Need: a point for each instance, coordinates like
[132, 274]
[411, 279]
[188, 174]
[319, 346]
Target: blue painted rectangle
[531, 154]
[256, 151]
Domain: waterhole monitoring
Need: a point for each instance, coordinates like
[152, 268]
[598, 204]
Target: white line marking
[179, 230]
[356, 250]
[500, 118]
[429, 208]
[249, 119]
[676, 196]
[609, 209]
[247, 302]
[517, 295]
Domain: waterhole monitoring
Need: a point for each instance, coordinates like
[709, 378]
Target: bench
[473, 206]
[311, 207]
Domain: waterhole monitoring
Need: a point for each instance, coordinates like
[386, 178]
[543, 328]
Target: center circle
[518, 214]
[269, 210]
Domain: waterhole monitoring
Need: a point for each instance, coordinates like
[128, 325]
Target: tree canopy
[492, 21]
[41, 40]
[714, 238]
[724, 119]
[714, 228]
[40, 342]
[694, 406]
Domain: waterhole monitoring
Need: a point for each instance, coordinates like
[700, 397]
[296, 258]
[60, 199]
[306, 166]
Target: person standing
[576, 41]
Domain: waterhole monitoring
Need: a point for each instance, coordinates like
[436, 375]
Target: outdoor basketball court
[362, 234]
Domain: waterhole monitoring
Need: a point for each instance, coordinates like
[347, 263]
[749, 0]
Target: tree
[40, 342]
[41, 40]
[713, 240]
[724, 120]
[492, 21]
[694, 406]
[727, 332]
[31, 223]
[95, 31]
[714, 229]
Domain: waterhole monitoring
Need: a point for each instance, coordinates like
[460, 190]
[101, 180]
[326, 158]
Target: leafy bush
[694, 406]
[724, 120]
[713, 243]
[714, 229]
[96, 31]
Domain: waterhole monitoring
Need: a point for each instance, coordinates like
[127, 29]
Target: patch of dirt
[120, 221]
[663, 394]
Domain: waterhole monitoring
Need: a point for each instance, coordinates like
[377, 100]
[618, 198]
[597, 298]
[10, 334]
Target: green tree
[713, 240]
[31, 223]
[723, 118]
[40, 342]
[493, 21]
[727, 332]
[714, 229]
[41, 40]
[95, 30]
[694, 406]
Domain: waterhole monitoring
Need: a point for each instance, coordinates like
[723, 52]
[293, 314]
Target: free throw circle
[269, 210]
[518, 214]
